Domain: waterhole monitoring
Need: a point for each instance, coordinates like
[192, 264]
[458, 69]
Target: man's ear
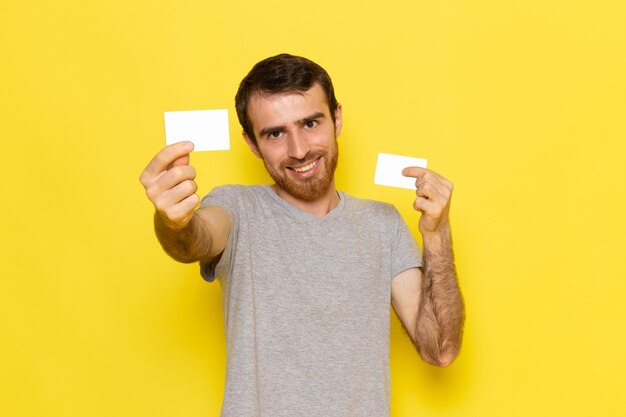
[338, 120]
[251, 145]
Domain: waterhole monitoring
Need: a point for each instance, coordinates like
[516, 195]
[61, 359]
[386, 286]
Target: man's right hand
[169, 183]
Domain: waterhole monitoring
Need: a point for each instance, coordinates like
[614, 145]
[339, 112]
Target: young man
[308, 272]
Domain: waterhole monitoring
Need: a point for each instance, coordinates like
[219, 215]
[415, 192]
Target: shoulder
[231, 194]
[371, 208]
[234, 189]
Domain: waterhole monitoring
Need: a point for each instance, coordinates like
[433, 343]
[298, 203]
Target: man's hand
[169, 183]
[433, 199]
[429, 301]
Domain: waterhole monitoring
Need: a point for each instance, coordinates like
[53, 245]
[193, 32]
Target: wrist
[442, 233]
[164, 225]
[175, 239]
[162, 222]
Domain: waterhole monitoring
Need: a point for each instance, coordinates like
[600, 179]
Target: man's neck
[319, 207]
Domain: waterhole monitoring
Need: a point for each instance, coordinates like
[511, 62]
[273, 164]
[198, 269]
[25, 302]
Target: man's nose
[298, 145]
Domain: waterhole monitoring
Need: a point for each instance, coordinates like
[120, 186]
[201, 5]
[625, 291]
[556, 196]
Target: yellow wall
[522, 104]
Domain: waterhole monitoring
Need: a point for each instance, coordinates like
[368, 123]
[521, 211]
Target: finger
[430, 179]
[165, 201]
[182, 212]
[443, 183]
[417, 172]
[176, 175]
[164, 159]
[183, 160]
[423, 189]
[188, 205]
[424, 205]
[430, 191]
[170, 179]
[414, 172]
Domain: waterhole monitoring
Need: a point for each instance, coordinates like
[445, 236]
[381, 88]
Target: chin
[309, 191]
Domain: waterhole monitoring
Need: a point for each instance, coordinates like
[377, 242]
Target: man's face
[297, 140]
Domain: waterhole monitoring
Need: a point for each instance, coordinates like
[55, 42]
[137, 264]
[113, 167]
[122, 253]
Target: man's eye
[275, 134]
[311, 124]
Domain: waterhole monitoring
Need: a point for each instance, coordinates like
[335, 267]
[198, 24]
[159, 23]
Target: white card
[207, 129]
[389, 170]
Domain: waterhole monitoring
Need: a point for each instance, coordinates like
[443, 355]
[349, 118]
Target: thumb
[414, 172]
[183, 160]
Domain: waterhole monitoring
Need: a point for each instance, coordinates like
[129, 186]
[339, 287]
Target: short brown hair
[280, 74]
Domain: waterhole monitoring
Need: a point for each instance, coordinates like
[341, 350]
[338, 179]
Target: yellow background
[522, 104]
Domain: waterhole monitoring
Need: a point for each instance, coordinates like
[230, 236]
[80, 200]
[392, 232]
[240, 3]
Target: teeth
[305, 168]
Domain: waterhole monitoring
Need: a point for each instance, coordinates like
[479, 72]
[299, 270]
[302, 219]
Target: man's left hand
[433, 199]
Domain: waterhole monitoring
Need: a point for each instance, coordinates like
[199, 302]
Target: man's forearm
[188, 244]
[439, 324]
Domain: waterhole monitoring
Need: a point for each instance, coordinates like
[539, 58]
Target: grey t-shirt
[306, 304]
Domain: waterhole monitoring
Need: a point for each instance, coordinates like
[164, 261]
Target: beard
[312, 188]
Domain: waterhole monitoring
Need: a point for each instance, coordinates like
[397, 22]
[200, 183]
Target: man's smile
[306, 169]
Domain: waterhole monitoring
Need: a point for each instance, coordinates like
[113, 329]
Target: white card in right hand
[207, 129]
[389, 170]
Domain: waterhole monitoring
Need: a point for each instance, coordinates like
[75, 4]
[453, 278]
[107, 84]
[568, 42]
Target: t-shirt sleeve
[406, 253]
[225, 197]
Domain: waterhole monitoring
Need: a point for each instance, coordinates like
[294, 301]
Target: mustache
[309, 157]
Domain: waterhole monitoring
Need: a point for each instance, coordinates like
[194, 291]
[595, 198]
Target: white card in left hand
[207, 129]
[389, 170]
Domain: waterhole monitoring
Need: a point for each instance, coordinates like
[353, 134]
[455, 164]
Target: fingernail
[404, 171]
[188, 146]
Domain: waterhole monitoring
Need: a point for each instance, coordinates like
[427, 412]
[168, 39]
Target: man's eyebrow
[268, 130]
[316, 115]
